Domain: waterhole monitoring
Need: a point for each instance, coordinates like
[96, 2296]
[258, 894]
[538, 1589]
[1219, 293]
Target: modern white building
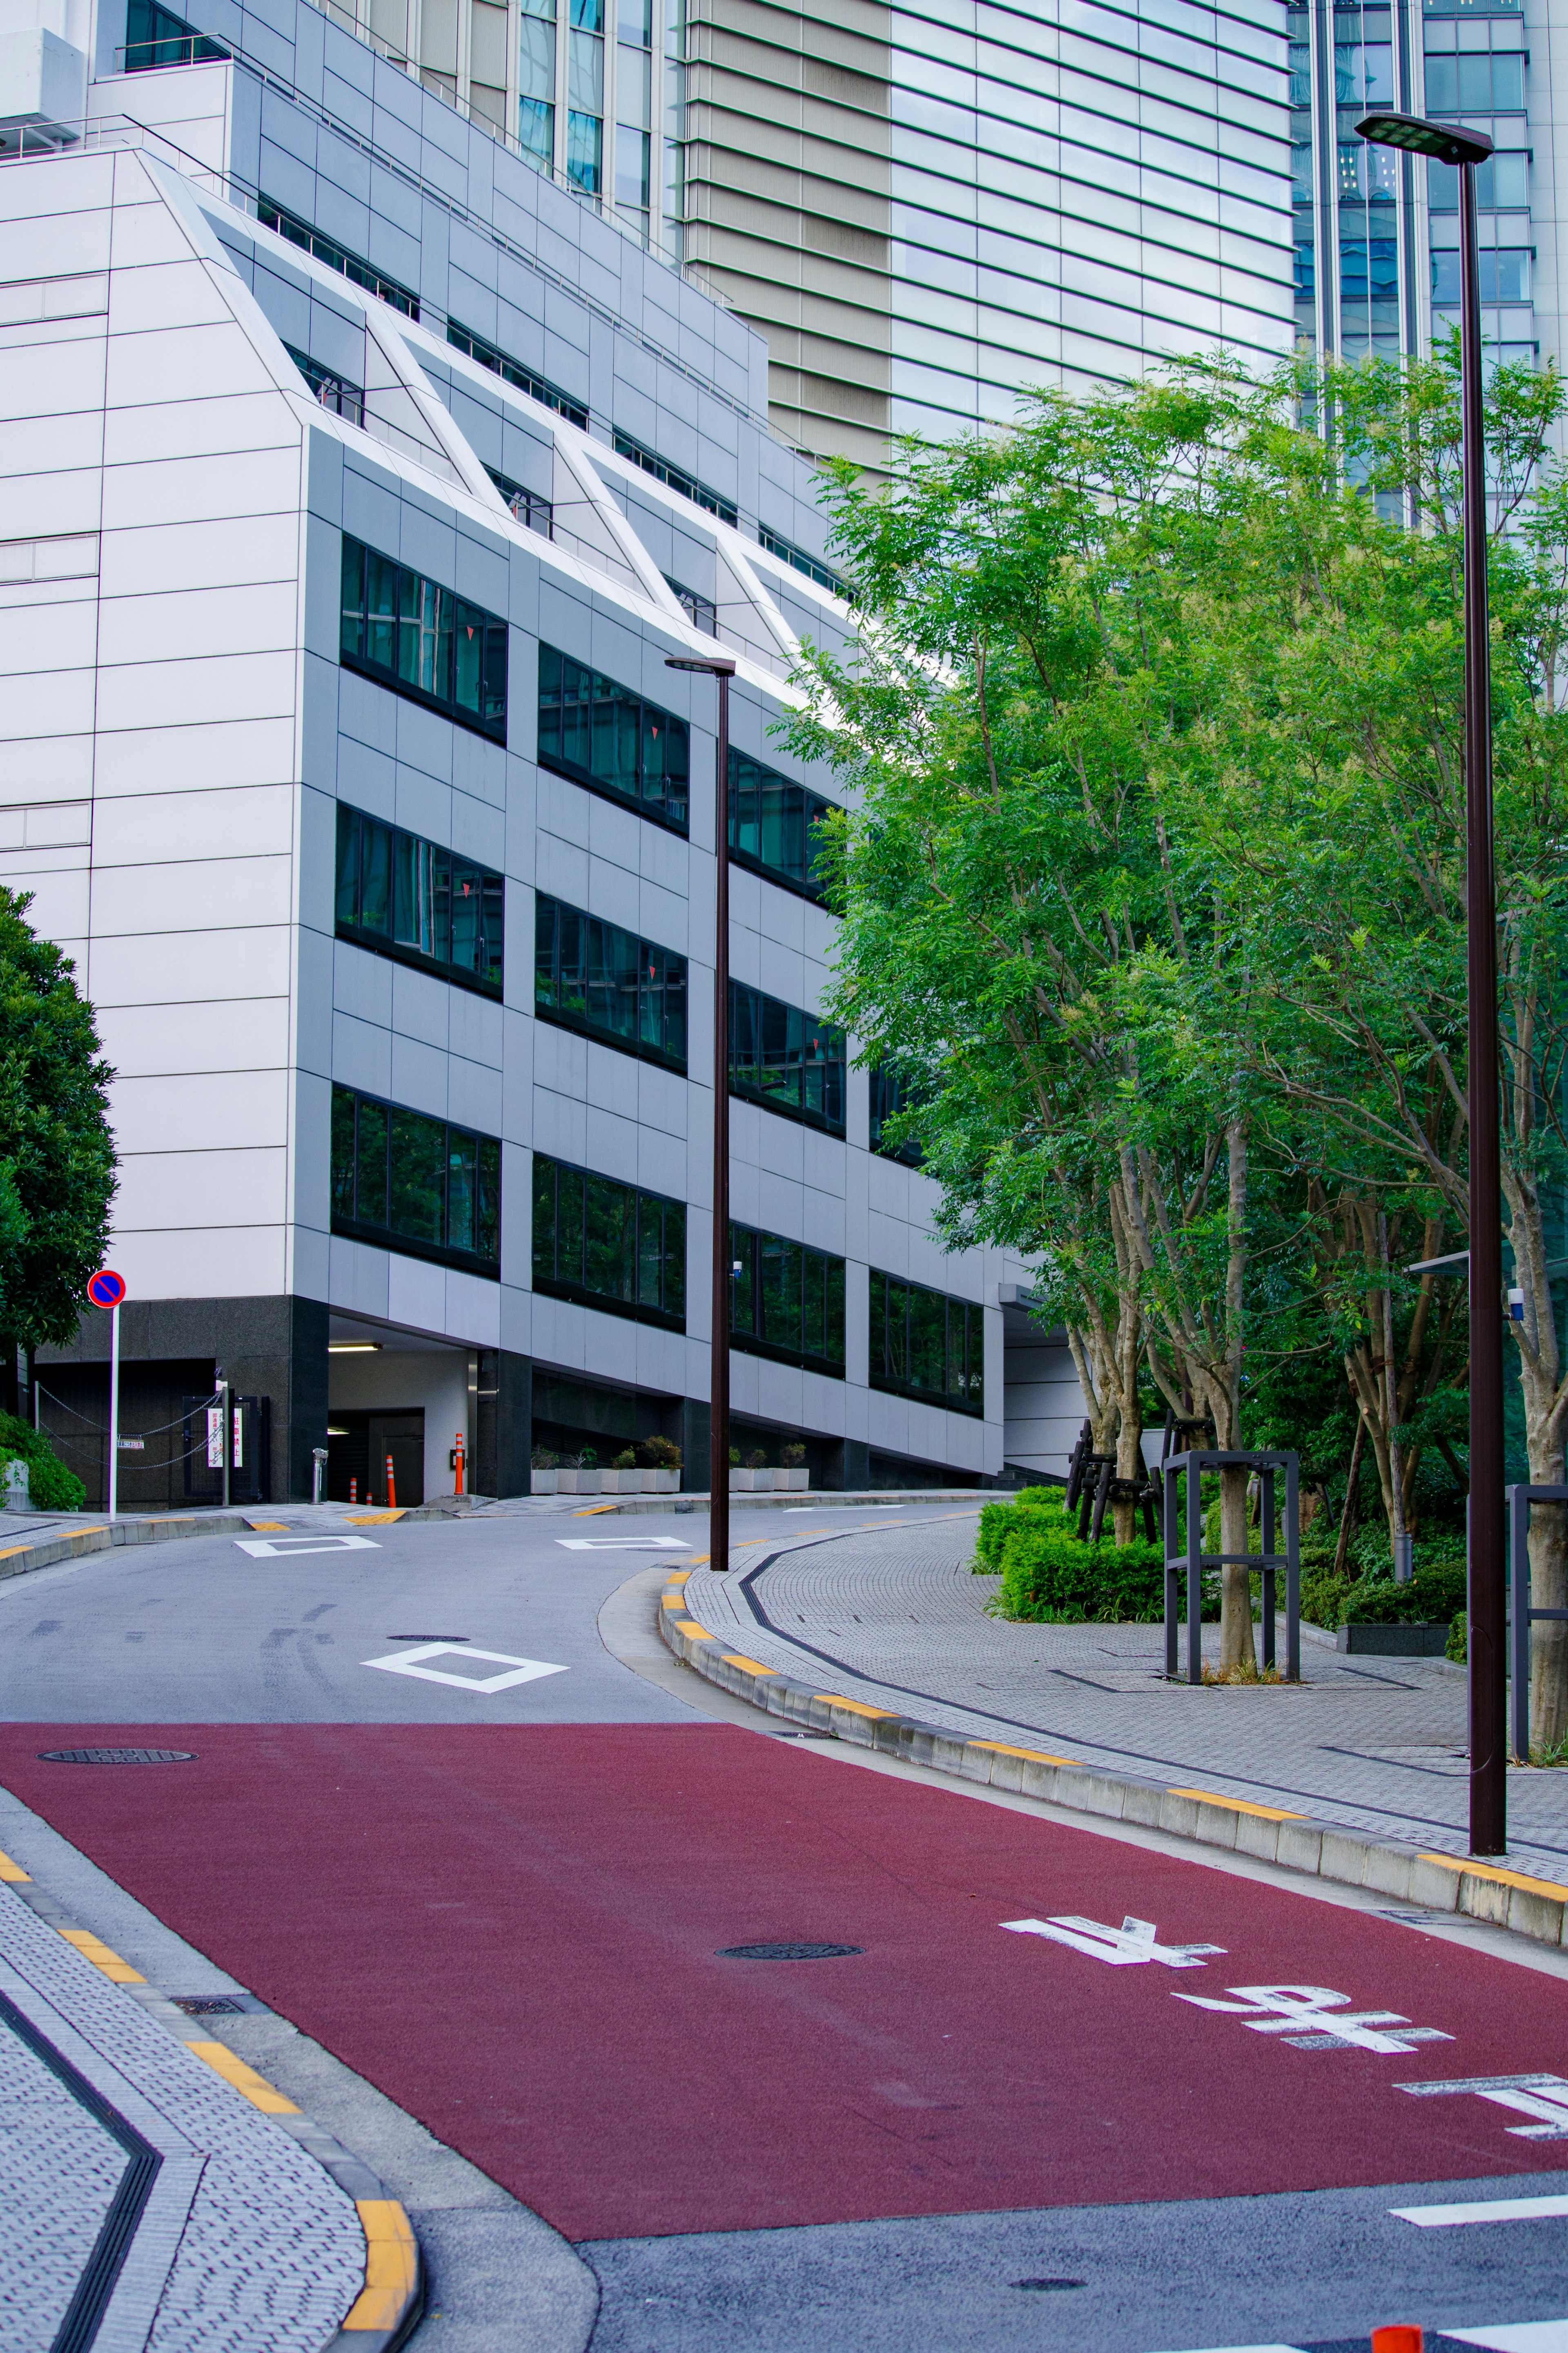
[356, 480]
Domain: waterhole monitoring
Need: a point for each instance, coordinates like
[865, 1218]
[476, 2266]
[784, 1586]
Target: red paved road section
[513, 1931]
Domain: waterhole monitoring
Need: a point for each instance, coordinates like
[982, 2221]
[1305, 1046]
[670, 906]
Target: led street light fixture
[1445, 143]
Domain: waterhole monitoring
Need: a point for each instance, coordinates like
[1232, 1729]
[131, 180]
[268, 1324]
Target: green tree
[57, 1154]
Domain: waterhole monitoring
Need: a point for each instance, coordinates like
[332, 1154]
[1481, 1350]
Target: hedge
[1049, 1577]
[50, 1486]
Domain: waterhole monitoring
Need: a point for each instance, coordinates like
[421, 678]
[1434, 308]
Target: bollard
[391, 1487]
[457, 1489]
[353, 1491]
[1401, 2336]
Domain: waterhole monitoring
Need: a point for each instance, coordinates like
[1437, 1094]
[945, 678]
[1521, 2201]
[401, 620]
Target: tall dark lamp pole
[719, 1390]
[1448, 142]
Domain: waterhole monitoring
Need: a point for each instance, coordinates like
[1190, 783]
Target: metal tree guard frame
[1192, 1558]
[1520, 1500]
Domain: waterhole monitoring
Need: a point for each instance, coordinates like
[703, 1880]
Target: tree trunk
[1545, 1415]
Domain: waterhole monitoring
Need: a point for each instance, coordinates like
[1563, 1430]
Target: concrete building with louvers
[357, 479]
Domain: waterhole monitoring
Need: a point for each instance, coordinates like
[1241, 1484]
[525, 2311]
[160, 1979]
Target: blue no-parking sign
[106, 1289]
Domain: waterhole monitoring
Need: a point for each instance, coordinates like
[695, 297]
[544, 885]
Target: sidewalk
[893, 1619]
[157, 2194]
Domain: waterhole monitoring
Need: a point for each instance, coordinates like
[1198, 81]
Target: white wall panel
[231, 426]
[247, 1033]
[189, 758]
[225, 1111]
[203, 896]
[200, 555]
[265, 480]
[46, 638]
[168, 1191]
[198, 623]
[229, 686]
[146, 828]
[185, 967]
[52, 702]
[52, 379]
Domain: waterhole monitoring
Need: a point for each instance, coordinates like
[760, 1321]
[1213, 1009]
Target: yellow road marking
[1507, 1878]
[256, 2088]
[12, 1871]
[270, 1527]
[731, 1658]
[1007, 1748]
[390, 2264]
[856, 1706]
[11, 1548]
[1240, 1806]
[93, 1948]
[588, 1510]
[689, 1626]
[678, 1576]
[376, 1519]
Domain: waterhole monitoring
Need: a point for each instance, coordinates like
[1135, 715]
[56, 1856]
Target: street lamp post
[718, 1378]
[1448, 142]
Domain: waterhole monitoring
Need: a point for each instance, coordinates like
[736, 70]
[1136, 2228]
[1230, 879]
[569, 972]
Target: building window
[772, 824]
[410, 1183]
[785, 1059]
[924, 1344]
[608, 1245]
[605, 736]
[154, 36]
[1502, 182]
[700, 610]
[528, 508]
[675, 478]
[421, 640]
[1476, 82]
[536, 83]
[419, 904]
[592, 976]
[336, 256]
[892, 1092]
[797, 557]
[1503, 271]
[787, 1301]
[512, 372]
[334, 392]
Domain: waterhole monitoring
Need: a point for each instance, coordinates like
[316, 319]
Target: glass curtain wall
[616, 138]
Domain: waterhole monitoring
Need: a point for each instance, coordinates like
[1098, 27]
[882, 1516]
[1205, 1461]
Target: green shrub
[50, 1485]
[1459, 1644]
[1435, 1591]
[1323, 1592]
[1048, 1577]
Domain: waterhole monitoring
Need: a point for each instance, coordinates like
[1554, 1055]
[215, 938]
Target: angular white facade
[202, 419]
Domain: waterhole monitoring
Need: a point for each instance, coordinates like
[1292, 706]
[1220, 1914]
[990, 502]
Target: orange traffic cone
[1402, 2337]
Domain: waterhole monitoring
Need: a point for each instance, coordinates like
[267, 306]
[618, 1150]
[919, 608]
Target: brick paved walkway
[894, 1617]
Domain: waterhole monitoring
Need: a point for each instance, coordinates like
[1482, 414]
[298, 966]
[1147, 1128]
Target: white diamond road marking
[1486, 2209]
[260, 1546]
[622, 1544]
[519, 1670]
[1315, 2018]
[1123, 1947]
[1525, 2336]
[1544, 2096]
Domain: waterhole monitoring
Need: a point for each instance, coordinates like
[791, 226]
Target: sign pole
[113, 1409]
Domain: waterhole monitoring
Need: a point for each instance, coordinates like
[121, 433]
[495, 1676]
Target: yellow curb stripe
[1239, 1805]
[274, 1528]
[364, 1519]
[1505, 1878]
[731, 1658]
[93, 1948]
[391, 2265]
[12, 1871]
[856, 1706]
[678, 1576]
[9, 1549]
[233, 2069]
[1007, 1748]
[588, 1510]
[689, 1626]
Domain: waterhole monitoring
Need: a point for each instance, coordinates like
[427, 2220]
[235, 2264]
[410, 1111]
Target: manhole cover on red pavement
[117, 1756]
[787, 1952]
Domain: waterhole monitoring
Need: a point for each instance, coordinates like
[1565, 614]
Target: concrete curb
[16, 1559]
[1439, 1882]
[392, 2301]
[808, 1499]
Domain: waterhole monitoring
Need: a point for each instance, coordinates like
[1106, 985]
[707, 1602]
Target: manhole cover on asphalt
[787, 1952]
[208, 2005]
[117, 1756]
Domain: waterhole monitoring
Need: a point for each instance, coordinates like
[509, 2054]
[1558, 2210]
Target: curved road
[503, 1873]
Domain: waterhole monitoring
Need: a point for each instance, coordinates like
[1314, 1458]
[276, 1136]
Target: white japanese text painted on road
[1315, 2018]
[1544, 2097]
[1123, 1947]
[413, 1662]
[284, 1547]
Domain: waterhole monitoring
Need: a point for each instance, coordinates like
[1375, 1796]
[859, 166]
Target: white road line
[1525, 2336]
[1488, 2210]
[409, 1663]
[285, 1547]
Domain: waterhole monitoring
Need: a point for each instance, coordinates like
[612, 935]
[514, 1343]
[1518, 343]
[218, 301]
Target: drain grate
[117, 1757]
[427, 1637]
[208, 2005]
[787, 1952]
[1048, 2283]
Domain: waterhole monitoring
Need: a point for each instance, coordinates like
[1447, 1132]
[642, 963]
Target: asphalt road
[512, 1900]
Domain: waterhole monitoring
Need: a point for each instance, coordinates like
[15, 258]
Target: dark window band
[924, 1344]
[676, 478]
[423, 641]
[334, 392]
[408, 1182]
[787, 1301]
[892, 1092]
[351, 265]
[773, 823]
[512, 372]
[608, 1245]
[534, 513]
[797, 557]
[605, 736]
[411, 900]
[785, 1059]
[593, 977]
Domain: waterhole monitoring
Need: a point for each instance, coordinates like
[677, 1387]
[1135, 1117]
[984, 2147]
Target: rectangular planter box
[1423, 1641]
[542, 1482]
[744, 1482]
[796, 1481]
[665, 1483]
[578, 1483]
